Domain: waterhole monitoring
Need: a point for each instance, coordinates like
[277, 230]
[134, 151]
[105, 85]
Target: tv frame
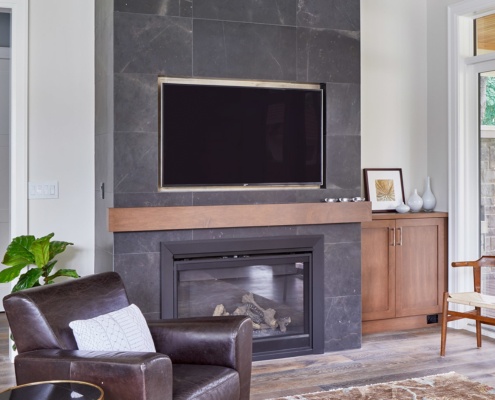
[241, 83]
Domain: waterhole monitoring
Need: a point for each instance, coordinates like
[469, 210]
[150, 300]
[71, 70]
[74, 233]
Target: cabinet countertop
[395, 215]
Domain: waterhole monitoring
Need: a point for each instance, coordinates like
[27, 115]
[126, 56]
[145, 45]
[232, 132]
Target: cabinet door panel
[420, 266]
[378, 270]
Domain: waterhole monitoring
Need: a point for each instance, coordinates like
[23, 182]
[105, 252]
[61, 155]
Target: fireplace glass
[273, 290]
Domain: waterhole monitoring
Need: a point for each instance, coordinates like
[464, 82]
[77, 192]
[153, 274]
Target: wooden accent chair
[475, 299]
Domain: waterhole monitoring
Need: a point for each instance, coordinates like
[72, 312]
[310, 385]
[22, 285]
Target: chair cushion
[472, 299]
[205, 382]
[122, 330]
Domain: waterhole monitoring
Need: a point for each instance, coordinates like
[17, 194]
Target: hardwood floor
[7, 378]
[383, 357]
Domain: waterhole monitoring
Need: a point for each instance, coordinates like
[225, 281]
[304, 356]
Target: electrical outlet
[432, 319]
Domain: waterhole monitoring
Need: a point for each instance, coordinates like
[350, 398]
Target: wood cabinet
[404, 270]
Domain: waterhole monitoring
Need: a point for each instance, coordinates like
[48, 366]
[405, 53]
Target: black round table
[54, 390]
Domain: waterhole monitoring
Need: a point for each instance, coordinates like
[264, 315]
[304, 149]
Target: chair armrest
[225, 341]
[121, 375]
[463, 263]
[203, 340]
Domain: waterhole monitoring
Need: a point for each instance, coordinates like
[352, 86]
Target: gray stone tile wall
[304, 41]
[286, 40]
[137, 259]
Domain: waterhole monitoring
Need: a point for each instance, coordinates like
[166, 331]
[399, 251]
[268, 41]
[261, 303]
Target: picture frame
[384, 188]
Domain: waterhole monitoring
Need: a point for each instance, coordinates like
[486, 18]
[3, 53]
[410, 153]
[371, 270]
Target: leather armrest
[121, 375]
[225, 341]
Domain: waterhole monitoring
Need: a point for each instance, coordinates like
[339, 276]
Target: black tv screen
[231, 133]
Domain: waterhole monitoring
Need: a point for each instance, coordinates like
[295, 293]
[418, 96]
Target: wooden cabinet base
[404, 270]
[398, 324]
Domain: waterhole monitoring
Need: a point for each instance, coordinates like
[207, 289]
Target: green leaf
[28, 250]
[71, 273]
[18, 252]
[41, 250]
[28, 280]
[57, 247]
[14, 347]
[9, 274]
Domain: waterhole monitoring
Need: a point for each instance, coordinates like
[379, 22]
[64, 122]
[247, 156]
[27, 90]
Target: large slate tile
[147, 242]
[343, 323]
[343, 104]
[136, 160]
[325, 55]
[141, 276]
[281, 12]
[186, 8]
[155, 199]
[329, 14]
[246, 51]
[235, 233]
[135, 103]
[156, 7]
[152, 44]
[343, 163]
[343, 269]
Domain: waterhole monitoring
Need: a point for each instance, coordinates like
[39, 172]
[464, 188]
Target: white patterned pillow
[121, 330]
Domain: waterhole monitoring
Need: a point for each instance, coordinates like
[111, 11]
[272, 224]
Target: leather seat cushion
[204, 382]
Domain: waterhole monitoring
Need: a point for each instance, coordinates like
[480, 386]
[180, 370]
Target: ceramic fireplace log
[260, 317]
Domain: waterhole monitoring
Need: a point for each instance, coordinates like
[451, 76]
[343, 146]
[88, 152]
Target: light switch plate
[43, 190]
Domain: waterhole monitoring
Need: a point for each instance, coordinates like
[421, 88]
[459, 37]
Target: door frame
[19, 10]
[463, 146]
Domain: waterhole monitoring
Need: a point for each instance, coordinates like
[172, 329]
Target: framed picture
[384, 188]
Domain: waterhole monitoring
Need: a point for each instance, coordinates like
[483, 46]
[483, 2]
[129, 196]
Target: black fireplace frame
[314, 244]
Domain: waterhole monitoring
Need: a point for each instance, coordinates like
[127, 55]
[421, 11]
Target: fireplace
[276, 281]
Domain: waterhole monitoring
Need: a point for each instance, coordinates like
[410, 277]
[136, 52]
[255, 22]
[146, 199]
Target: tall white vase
[429, 200]
[415, 201]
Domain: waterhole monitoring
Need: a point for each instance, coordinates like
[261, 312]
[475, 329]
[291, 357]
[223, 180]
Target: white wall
[404, 72]
[394, 88]
[61, 124]
[4, 158]
[437, 101]
[4, 148]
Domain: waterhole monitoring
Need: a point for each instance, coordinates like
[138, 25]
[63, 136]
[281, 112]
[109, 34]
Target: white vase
[429, 200]
[402, 208]
[415, 202]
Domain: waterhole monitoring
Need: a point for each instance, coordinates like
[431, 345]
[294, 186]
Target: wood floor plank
[7, 378]
[383, 357]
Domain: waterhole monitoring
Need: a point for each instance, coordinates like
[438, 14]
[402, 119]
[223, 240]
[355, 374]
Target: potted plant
[25, 251]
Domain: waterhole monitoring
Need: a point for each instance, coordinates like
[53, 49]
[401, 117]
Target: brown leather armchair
[200, 358]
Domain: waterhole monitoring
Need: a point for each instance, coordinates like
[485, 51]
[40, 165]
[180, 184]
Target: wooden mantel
[235, 216]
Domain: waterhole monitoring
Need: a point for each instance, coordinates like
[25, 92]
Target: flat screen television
[246, 134]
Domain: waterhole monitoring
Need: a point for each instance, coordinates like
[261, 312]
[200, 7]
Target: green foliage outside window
[488, 117]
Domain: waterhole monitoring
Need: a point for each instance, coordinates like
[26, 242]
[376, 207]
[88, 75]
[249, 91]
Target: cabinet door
[378, 269]
[420, 266]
